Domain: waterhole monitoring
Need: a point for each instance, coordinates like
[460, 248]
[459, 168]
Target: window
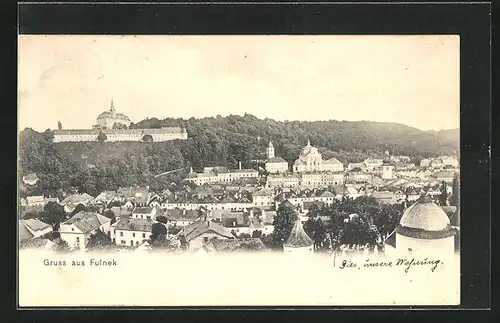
[144, 235]
[77, 239]
[123, 242]
[121, 233]
[205, 239]
[137, 243]
[133, 234]
[72, 229]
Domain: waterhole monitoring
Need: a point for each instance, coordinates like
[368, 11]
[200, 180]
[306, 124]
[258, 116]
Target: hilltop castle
[115, 126]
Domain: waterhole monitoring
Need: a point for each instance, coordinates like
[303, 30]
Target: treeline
[95, 166]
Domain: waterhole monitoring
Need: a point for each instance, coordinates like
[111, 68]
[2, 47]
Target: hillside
[94, 166]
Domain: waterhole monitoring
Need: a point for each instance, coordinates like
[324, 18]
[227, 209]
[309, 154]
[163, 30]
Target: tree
[110, 215]
[244, 236]
[102, 137]
[118, 125]
[99, 240]
[358, 231]
[162, 219]
[455, 195]
[147, 138]
[53, 214]
[159, 235]
[256, 234]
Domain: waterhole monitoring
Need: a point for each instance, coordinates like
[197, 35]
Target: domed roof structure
[298, 237]
[425, 220]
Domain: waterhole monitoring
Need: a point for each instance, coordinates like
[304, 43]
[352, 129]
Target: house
[385, 197]
[263, 197]
[197, 234]
[30, 179]
[233, 245]
[52, 200]
[105, 197]
[76, 230]
[446, 176]
[373, 163]
[38, 200]
[131, 232]
[36, 227]
[144, 213]
[182, 217]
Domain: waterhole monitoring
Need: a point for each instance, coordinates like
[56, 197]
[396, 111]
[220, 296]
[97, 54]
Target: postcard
[168, 170]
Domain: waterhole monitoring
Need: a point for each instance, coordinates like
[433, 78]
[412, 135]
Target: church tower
[270, 151]
[113, 112]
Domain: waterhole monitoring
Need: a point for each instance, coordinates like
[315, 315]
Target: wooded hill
[95, 166]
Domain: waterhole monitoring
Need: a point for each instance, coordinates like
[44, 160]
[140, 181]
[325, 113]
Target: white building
[131, 232]
[77, 230]
[424, 230]
[282, 180]
[387, 171]
[373, 163]
[35, 200]
[144, 213]
[310, 160]
[298, 242]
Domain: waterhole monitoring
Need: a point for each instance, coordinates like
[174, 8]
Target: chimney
[239, 165]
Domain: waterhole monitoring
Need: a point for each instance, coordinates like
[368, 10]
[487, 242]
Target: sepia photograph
[242, 170]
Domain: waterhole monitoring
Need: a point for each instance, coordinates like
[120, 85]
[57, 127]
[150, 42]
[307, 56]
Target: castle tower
[298, 242]
[270, 151]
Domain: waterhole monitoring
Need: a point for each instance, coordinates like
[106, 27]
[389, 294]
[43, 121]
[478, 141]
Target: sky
[413, 80]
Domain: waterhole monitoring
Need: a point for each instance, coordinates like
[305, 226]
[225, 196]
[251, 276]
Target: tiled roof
[24, 233]
[87, 221]
[332, 160]
[35, 224]
[276, 160]
[198, 228]
[143, 210]
[78, 198]
[118, 131]
[142, 225]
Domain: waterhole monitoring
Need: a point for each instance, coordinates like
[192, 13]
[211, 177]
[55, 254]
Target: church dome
[298, 237]
[425, 220]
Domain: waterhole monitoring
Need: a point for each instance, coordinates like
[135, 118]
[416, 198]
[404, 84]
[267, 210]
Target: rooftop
[298, 237]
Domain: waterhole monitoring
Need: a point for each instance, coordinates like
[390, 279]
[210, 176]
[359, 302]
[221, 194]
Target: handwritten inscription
[81, 263]
[400, 262]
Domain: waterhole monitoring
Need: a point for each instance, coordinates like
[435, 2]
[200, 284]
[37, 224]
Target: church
[310, 160]
[275, 165]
